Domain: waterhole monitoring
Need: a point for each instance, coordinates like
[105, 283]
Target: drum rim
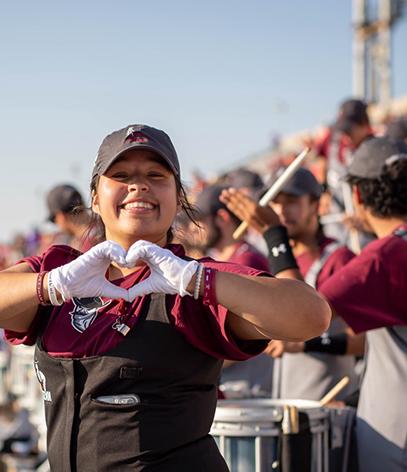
[253, 410]
[266, 402]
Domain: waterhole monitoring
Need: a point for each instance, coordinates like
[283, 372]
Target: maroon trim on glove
[209, 295]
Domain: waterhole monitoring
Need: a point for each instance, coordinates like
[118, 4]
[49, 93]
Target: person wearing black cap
[353, 120]
[218, 225]
[295, 238]
[215, 237]
[245, 179]
[66, 210]
[130, 335]
[351, 128]
[370, 293]
[250, 183]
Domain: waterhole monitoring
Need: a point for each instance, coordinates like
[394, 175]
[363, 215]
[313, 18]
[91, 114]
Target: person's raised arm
[266, 221]
[270, 307]
[259, 307]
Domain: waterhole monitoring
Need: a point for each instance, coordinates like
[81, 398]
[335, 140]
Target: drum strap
[393, 330]
[296, 449]
[401, 233]
[313, 272]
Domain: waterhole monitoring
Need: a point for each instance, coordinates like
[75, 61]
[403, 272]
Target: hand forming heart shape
[85, 276]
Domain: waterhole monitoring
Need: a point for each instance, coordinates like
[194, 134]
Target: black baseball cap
[207, 202]
[64, 198]
[351, 112]
[243, 177]
[301, 183]
[373, 154]
[135, 137]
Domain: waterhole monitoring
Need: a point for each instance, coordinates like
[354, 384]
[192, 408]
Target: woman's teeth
[146, 205]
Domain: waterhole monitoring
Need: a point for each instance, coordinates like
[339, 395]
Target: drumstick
[334, 391]
[353, 233]
[275, 188]
[290, 422]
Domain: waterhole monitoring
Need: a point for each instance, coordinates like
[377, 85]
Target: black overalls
[167, 430]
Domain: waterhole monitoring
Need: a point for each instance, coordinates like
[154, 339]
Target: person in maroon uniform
[351, 128]
[67, 211]
[252, 377]
[131, 334]
[217, 225]
[353, 120]
[305, 370]
[370, 294]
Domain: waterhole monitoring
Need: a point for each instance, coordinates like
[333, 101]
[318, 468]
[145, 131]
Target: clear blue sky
[213, 74]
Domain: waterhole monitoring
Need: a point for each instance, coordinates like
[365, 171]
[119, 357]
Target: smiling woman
[130, 336]
[136, 198]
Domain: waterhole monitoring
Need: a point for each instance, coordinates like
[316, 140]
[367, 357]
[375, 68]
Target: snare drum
[250, 436]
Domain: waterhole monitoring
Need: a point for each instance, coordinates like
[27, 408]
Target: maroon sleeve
[29, 337]
[34, 262]
[55, 256]
[254, 260]
[335, 262]
[205, 326]
[363, 291]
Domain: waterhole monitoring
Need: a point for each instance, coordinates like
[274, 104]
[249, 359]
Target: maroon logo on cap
[135, 136]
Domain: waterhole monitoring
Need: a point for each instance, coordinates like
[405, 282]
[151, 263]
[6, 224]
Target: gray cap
[371, 156]
[135, 137]
[64, 198]
[303, 182]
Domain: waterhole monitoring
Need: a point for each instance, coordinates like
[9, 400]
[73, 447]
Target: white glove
[86, 276]
[169, 273]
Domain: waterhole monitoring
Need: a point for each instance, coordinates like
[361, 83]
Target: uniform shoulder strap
[313, 272]
[401, 233]
[399, 332]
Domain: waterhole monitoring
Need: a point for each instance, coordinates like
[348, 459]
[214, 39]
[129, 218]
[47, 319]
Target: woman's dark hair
[386, 195]
[96, 228]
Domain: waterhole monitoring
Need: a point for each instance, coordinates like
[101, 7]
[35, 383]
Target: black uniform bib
[166, 429]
